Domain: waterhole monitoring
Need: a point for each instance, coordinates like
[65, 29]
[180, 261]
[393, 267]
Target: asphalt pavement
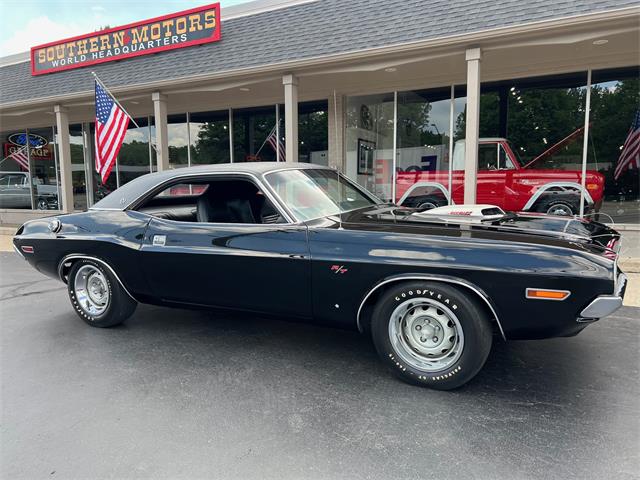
[189, 394]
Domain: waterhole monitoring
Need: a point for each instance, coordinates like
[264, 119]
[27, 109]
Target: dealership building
[375, 89]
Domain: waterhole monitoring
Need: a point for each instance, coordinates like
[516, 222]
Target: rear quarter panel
[112, 236]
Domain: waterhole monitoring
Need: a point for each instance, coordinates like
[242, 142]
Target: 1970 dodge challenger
[302, 241]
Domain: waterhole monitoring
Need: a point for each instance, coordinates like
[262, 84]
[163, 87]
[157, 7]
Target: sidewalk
[629, 260]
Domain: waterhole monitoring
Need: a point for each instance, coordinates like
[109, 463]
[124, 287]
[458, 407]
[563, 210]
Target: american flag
[21, 157]
[277, 144]
[630, 155]
[111, 127]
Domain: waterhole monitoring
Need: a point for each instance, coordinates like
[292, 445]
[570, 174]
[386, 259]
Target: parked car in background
[302, 241]
[15, 192]
[503, 181]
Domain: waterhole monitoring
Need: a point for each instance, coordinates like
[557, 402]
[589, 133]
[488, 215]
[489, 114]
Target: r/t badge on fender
[339, 269]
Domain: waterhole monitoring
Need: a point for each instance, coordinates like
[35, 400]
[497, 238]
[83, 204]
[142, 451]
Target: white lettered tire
[431, 334]
[96, 295]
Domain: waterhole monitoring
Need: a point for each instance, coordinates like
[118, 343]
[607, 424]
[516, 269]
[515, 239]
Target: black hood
[569, 232]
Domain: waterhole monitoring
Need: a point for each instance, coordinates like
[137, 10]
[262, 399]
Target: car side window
[504, 162]
[488, 156]
[492, 156]
[213, 201]
[14, 180]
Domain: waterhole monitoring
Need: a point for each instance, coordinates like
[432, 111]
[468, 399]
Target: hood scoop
[463, 214]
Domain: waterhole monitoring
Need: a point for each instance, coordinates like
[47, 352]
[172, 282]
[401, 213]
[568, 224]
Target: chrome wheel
[426, 334]
[91, 290]
[561, 209]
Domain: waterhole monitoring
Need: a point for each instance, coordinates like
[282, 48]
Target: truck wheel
[561, 208]
[425, 202]
[431, 334]
[97, 296]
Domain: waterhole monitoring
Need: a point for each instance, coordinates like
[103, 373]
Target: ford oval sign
[35, 141]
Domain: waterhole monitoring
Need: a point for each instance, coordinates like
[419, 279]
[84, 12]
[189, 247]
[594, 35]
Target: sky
[32, 22]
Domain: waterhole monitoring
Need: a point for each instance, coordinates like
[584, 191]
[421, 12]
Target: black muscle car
[302, 241]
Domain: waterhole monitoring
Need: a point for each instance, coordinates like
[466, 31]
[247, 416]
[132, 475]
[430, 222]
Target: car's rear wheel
[431, 334]
[96, 296]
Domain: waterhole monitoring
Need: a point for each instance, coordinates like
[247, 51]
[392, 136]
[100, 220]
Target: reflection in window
[133, 158]
[312, 132]
[251, 127]
[543, 118]
[615, 102]
[178, 140]
[44, 169]
[209, 137]
[78, 175]
[14, 172]
[369, 142]
[423, 130]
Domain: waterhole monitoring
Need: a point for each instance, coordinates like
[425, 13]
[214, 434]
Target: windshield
[311, 193]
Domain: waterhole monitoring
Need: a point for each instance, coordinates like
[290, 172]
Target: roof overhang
[561, 31]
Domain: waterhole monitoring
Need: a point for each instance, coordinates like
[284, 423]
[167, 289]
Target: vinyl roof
[302, 31]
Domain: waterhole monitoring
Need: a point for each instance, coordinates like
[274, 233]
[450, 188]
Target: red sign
[37, 153]
[183, 29]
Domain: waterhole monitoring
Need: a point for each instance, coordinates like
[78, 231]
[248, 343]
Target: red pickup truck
[503, 181]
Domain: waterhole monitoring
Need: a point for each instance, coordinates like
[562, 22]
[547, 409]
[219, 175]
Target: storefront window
[542, 118]
[615, 102]
[178, 140]
[251, 129]
[44, 169]
[531, 144]
[423, 144]
[424, 175]
[312, 132]
[369, 142]
[209, 137]
[29, 179]
[15, 189]
[78, 174]
[133, 158]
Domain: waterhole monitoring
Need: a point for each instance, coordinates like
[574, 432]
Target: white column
[585, 143]
[162, 140]
[472, 133]
[230, 130]
[336, 132]
[64, 150]
[291, 117]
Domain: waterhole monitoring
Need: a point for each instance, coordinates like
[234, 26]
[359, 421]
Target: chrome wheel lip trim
[404, 346]
[88, 282]
[80, 256]
[438, 278]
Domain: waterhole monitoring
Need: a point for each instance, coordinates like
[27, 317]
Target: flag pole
[123, 109]
[265, 140]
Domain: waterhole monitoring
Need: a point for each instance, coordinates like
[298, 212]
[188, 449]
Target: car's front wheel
[97, 296]
[431, 334]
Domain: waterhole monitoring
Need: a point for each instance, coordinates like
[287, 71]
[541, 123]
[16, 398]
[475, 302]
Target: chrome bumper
[605, 305]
